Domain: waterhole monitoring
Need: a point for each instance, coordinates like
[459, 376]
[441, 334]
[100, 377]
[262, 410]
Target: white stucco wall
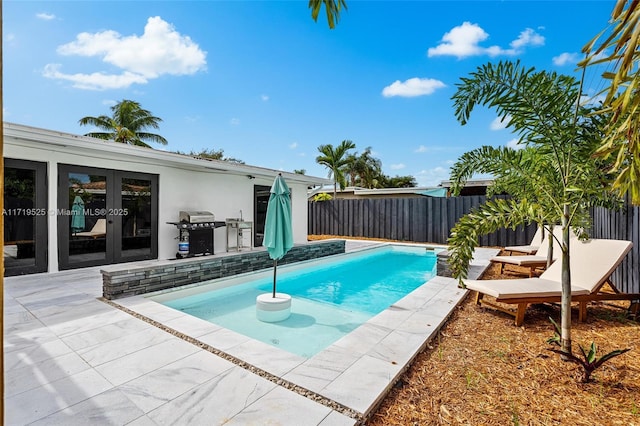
[184, 184]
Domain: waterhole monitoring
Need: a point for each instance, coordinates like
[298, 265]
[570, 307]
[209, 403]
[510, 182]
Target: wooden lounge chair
[592, 263]
[98, 230]
[532, 247]
[538, 260]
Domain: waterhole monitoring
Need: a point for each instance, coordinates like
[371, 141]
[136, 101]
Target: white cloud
[500, 123]
[398, 166]
[432, 177]
[265, 98]
[528, 37]
[566, 58]
[461, 41]
[464, 41]
[94, 81]
[160, 50]
[412, 87]
[515, 144]
[421, 148]
[45, 16]
[293, 145]
[234, 121]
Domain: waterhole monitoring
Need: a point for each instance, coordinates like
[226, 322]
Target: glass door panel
[136, 217]
[87, 225]
[261, 195]
[25, 217]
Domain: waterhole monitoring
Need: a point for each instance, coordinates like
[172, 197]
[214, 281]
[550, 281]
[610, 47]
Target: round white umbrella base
[273, 309]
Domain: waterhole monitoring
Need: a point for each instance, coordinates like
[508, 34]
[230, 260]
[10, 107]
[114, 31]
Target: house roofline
[62, 139]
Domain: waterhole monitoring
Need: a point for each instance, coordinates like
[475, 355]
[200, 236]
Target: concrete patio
[71, 358]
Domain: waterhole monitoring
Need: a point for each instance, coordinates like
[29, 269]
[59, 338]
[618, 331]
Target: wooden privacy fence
[621, 225]
[425, 219]
[429, 220]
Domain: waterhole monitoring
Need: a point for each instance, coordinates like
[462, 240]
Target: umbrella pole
[275, 266]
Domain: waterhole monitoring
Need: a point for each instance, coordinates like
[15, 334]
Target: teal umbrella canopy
[278, 231]
[77, 215]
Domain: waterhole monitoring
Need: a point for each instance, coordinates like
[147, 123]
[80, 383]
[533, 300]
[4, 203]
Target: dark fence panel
[621, 225]
[426, 219]
[429, 220]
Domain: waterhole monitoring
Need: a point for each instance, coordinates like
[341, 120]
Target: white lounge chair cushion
[532, 249]
[592, 262]
[521, 288]
[533, 246]
[524, 260]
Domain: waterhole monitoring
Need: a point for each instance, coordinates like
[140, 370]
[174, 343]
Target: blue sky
[265, 83]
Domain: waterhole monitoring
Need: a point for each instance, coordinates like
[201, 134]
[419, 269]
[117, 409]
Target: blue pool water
[330, 297]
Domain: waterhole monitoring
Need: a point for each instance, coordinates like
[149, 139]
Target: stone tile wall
[442, 266]
[119, 281]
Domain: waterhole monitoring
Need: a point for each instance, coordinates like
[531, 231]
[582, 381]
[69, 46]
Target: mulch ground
[483, 370]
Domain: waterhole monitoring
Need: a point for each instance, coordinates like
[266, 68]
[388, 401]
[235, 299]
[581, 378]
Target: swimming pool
[331, 297]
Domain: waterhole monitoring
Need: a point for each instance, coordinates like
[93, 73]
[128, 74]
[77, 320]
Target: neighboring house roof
[471, 187]
[354, 192]
[28, 134]
[469, 183]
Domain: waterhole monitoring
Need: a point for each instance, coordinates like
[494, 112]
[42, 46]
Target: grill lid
[196, 216]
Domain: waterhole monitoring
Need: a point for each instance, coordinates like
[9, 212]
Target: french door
[25, 217]
[261, 195]
[106, 216]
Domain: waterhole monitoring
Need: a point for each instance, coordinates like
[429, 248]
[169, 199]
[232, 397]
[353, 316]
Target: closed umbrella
[77, 215]
[278, 232]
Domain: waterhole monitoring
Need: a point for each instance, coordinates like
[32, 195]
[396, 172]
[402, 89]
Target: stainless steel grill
[195, 233]
[196, 217]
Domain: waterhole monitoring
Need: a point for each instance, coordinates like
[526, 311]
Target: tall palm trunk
[551, 243]
[565, 326]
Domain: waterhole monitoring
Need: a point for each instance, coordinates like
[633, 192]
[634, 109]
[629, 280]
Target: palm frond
[489, 217]
[333, 9]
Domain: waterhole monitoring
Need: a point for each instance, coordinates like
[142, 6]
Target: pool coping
[354, 374]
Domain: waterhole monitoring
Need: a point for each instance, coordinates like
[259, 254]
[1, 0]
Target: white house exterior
[62, 165]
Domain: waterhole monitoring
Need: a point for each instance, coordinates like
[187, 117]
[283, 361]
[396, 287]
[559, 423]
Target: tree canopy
[212, 154]
[617, 47]
[336, 160]
[554, 180]
[127, 124]
[362, 170]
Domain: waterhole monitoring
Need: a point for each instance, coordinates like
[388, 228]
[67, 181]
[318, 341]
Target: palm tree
[562, 177]
[407, 181]
[335, 159]
[332, 7]
[369, 169]
[622, 103]
[350, 170]
[126, 125]
[524, 174]
[364, 169]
